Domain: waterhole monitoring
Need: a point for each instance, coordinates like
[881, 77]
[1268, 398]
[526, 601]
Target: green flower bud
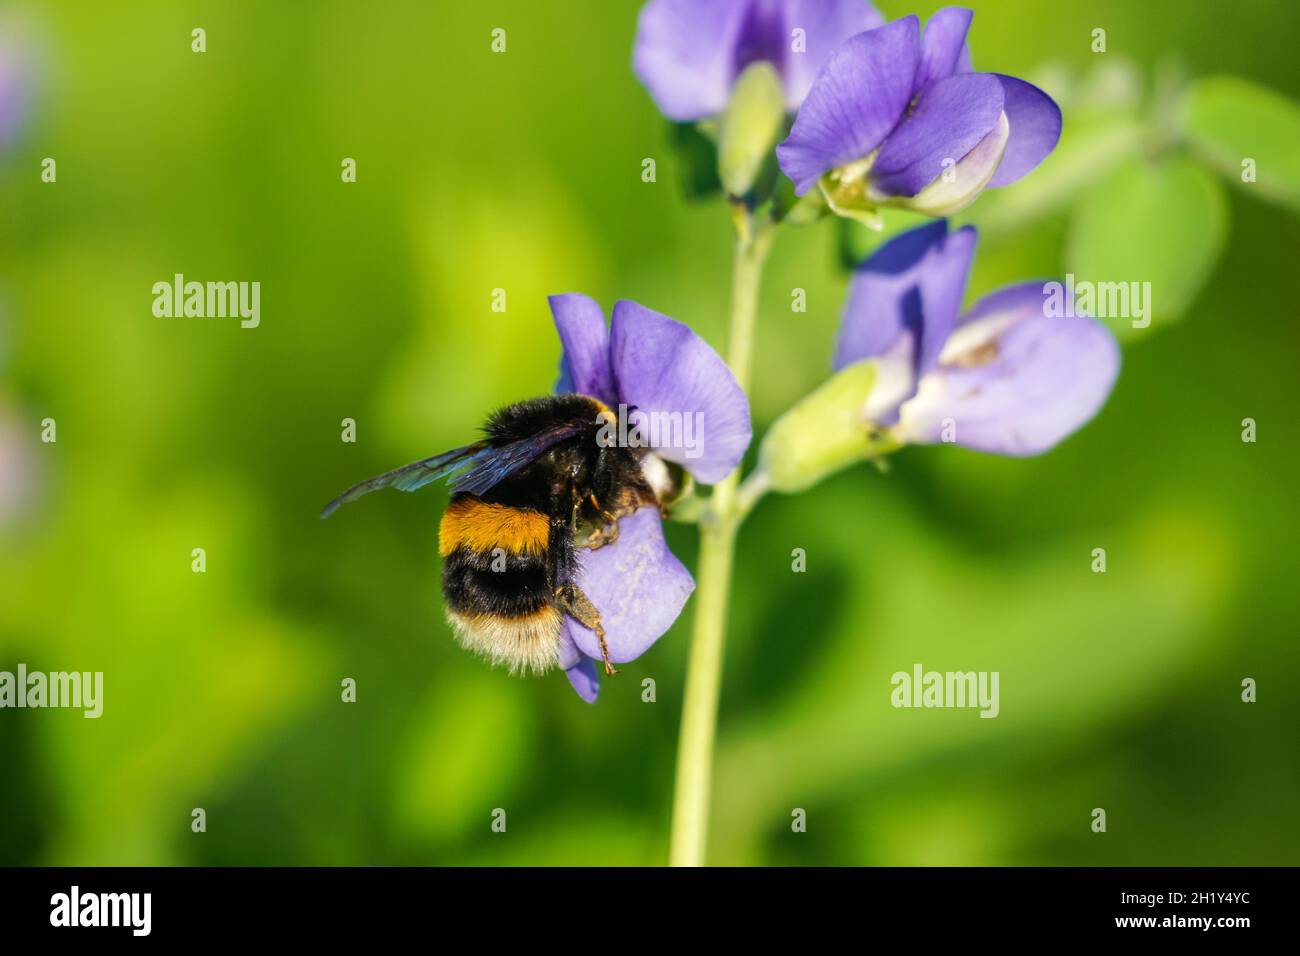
[749, 127]
[824, 433]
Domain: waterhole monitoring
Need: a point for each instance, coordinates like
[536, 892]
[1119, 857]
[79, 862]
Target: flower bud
[825, 432]
[749, 127]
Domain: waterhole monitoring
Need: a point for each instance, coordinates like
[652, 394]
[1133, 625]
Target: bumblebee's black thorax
[573, 472]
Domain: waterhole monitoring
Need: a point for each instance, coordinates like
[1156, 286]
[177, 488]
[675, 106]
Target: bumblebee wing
[413, 476]
[496, 464]
[487, 466]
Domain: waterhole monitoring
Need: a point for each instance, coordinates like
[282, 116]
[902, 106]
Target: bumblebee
[545, 471]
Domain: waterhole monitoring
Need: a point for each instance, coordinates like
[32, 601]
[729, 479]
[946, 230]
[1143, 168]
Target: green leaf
[1103, 128]
[1088, 150]
[1149, 234]
[1231, 121]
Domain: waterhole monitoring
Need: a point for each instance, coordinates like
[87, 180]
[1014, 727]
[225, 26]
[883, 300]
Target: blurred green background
[522, 171]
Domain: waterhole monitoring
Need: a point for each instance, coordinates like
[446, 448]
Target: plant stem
[717, 544]
[700, 704]
[755, 486]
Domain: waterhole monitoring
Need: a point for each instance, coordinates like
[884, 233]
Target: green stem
[755, 486]
[700, 705]
[713, 587]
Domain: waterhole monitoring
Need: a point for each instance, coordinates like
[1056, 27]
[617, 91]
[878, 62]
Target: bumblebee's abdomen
[479, 582]
[500, 599]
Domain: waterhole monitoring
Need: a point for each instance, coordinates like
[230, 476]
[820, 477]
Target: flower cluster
[884, 114]
[888, 115]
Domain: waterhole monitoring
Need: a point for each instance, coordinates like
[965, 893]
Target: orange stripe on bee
[481, 526]
[603, 411]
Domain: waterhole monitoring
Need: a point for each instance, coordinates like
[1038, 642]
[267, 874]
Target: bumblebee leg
[573, 516]
[578, 606]
[607, 534]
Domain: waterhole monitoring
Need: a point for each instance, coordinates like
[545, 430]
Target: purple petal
[992, 315]
[584, 362]
[912, 285]
[638, 586]
[762, 36]
[894, 384]
[1013, 380]
[964, 63]
[942, 45]
[883, 300]
[1035, 128]
[567, 652]
[856, 99]
[661, 366]
[950, 120]
[961, 185]
[943, 282]
[826, 24]
[579, 669]
[685, 54]
[585, 679]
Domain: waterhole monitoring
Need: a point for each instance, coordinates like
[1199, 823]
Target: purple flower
[657, 366]
[897, 118]
[1007, 377]
[689, 52]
